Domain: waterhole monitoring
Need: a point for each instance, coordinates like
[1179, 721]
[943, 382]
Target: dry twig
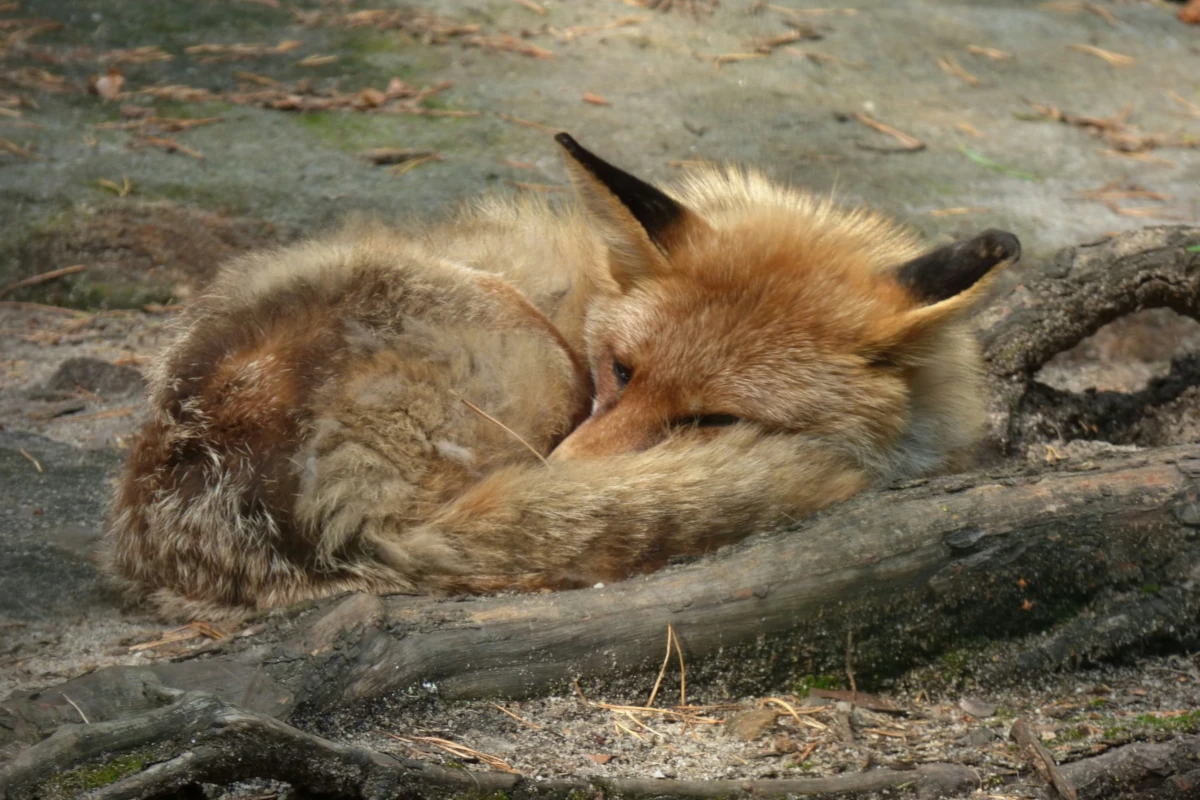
[1109, 57]
[43, 277]
[908, 143]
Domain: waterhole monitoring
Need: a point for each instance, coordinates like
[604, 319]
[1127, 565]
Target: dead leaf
[108, 85]
[749, 725]
[600, 758]
[861, 699]
[316, 61]
[383, 156]
[506, 42]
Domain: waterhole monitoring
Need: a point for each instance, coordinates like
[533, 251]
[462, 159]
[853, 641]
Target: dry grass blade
[195, 630]
[1192, 108]
[506, 42]
[1109, 57]
[790, 709]
[112, 413]
[150, 54]
[730, 58]
[518, 718]
[526, 123]
[316, 61]
[455, 749]
[988, 52]
[682, 671]
[34, 280]
[885, 732]
[771, 42]
[413, 163]
[968, 129]
[171, 146]
[663, 669]
[36, 464]
[595, 99]
[907, 142]
[662, 712]
[823, 58]
[571, 34]
[812, 12]
[532, 6]
[227, 52]
[959, 211]
[178, 93]
[952, 67]
[39, 79]
[1146, 158]
[385, 156]
[75, 706]
[504, 428]
[1111, 191]
[536, 187]
[12, 147]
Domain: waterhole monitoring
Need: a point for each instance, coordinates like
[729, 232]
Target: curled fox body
[527, 398]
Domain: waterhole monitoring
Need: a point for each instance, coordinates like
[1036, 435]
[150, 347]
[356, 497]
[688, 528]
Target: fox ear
[639, 223]
[945, 282]
[956, 271]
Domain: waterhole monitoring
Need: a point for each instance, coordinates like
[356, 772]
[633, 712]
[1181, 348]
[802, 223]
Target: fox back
[375, 412]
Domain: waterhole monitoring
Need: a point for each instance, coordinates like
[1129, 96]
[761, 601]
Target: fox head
[740, 302]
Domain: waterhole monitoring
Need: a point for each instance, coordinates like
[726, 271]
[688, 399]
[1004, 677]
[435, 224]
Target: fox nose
[619, 430]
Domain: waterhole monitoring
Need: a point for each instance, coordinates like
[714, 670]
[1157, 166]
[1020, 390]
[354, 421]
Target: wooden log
[1068, 299]
[1096, 557]
[907, 571]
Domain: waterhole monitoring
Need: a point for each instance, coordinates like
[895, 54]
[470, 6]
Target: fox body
[374, 411]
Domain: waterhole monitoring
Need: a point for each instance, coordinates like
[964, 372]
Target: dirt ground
[216, 126]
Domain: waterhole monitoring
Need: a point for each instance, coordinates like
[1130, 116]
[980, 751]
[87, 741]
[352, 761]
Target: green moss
[1150, 588]
[1184, 723]
[810, 682]
[98, 775]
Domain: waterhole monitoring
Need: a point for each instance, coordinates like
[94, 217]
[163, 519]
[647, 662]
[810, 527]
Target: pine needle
[504, 428]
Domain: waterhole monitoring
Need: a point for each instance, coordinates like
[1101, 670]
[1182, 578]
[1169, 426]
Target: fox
[529, 396]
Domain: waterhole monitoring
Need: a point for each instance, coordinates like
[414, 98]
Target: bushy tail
[575, 523]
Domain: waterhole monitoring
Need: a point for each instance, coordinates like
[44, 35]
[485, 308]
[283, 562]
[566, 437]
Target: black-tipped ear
[653, 210]
[951, 270]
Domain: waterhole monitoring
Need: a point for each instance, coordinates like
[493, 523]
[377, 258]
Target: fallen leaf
[600, 758]
[108, 85]
[749, 725]
[862, 699]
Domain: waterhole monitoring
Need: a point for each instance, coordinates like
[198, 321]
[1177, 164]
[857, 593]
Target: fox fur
[526, 397]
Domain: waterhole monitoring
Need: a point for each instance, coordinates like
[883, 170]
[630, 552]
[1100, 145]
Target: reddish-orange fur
[313, 428]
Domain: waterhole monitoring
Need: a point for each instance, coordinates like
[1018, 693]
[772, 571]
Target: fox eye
[622, 373]
[716, 420]
[709, 420]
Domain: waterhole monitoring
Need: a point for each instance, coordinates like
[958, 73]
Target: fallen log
[1070, 564]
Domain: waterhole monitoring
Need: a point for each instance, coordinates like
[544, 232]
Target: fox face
[737, 302]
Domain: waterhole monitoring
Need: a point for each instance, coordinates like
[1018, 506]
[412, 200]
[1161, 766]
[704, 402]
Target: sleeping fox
[528, 398]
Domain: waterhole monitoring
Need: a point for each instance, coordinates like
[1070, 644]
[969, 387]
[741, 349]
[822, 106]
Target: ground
[1062, 122]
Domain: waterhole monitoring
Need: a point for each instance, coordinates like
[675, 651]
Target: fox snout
[623, 428]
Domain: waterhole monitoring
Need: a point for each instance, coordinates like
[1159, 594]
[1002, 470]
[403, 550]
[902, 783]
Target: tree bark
[1098, 558]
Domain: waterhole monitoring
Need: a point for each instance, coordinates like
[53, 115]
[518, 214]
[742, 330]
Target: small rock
[749, 725]
[980, 737]
[976, 707]
[94, 375]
